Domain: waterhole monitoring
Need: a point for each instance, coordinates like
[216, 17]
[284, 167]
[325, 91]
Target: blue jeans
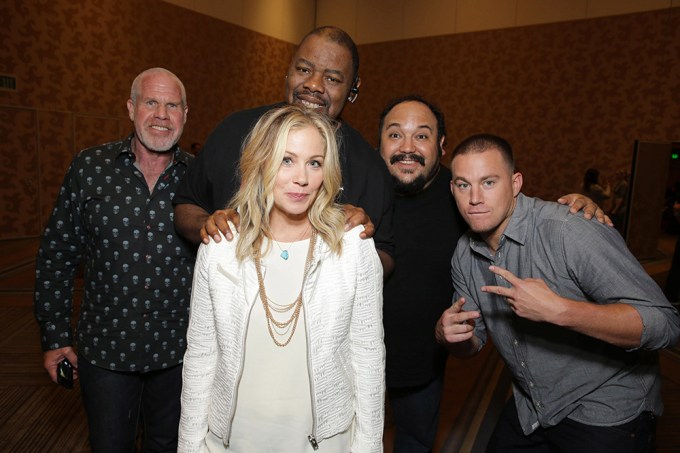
[415, 411]
[637, 436]
[115, 400]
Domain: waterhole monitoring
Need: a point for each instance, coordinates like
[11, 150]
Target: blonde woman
[285, 343]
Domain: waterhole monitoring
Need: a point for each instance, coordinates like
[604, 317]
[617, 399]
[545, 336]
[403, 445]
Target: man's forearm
[618, 324]
[189, 219]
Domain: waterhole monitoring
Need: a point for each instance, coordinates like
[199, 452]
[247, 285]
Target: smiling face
[158, 112]
[320, 76]
[299, 177]
[485, 189]
[410, 147]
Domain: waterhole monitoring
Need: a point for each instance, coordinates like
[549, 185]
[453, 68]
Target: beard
[410, 188]
[419, 182]
[158, 144]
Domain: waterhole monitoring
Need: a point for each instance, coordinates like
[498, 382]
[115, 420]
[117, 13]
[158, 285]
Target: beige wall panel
[530, 12]
[429, 18]
[264, 17]
[18, 174]
[299, 18]
[341, 14]
[598, 8]
[475, 15]
[380, 20]
[289, 20]
[227, 10]
[56, 149]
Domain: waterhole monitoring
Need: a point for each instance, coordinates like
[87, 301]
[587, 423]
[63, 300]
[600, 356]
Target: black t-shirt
[213, 179]
[426, 229]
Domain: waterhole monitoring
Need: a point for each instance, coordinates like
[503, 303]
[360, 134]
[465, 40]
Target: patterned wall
[75, 60]
[567, 95]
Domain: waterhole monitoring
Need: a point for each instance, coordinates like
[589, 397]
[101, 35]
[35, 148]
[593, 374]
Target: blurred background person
[598, 191]
[620, 199]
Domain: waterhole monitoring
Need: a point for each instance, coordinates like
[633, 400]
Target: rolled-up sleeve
[609, 273]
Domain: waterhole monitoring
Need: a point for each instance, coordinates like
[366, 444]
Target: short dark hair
[441, 123]
[341, 37]
[484, 142]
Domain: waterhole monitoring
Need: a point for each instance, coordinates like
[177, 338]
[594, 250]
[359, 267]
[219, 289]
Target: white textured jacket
[342, 300]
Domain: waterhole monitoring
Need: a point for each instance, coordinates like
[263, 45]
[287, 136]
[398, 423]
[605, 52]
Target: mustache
[401, 157]
[297, 93]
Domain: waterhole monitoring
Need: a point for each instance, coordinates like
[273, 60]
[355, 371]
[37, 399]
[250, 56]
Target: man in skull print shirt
[114, 214]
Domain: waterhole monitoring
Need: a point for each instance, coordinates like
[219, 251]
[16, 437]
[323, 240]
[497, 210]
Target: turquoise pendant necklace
[284, 252]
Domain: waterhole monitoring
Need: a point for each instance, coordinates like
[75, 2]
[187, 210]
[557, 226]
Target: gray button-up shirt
[557, 372]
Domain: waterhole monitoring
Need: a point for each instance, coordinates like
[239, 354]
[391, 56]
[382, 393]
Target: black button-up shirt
[138, 270]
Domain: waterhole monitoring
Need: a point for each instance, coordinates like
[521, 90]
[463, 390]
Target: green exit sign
[675, 155]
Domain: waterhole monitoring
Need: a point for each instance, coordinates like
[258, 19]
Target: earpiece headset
[354, 91]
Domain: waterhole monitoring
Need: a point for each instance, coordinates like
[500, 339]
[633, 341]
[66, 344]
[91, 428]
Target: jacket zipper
[312, 437]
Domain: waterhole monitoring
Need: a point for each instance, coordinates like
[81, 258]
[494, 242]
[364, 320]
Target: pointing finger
[500, 290]
[506, 274]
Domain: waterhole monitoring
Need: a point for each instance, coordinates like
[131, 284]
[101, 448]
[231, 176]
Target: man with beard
[426, 229]
[114, 214]
[323, 75]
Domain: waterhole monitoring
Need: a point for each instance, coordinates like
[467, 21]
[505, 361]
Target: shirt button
[515, 342]
[522, 364]
[146, 286]
[531, 384]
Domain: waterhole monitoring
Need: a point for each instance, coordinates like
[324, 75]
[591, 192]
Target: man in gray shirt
[574, 315]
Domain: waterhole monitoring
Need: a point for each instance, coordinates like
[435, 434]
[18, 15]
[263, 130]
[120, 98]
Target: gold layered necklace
[284, 328]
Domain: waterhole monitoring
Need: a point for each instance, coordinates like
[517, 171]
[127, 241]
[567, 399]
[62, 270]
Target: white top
[345, 350]
[274, 407]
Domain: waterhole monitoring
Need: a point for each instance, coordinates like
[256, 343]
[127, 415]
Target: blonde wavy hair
[261, 158]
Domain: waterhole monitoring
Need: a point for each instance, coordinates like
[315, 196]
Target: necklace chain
[281, 328]
[284, 252]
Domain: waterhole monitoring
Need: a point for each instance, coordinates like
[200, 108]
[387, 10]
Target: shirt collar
[518, 227]
[180, 156]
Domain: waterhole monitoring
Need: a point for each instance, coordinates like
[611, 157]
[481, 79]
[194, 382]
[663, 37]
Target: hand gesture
[529, 298]
[455, 325]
